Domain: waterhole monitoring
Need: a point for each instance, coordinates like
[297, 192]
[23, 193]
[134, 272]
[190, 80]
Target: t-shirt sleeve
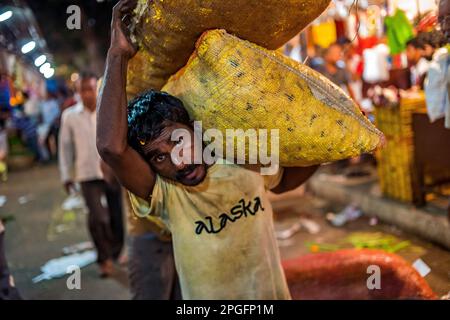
[153, 206]
[271, 181]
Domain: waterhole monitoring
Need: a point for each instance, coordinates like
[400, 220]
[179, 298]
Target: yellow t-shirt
[222, 233]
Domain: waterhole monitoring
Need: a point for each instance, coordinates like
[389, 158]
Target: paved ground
[38, 233]
[40, 230]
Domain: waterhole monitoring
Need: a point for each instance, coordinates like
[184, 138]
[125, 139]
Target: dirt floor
[39, 229]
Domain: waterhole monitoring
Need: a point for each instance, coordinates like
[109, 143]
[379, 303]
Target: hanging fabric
[398, 31]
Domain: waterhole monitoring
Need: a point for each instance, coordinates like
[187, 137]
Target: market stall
[17, 77]
[387, 75]
[25, 71]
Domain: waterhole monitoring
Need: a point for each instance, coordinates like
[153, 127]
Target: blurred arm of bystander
[66, 152]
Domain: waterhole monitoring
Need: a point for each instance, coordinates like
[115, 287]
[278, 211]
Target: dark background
[83, 49]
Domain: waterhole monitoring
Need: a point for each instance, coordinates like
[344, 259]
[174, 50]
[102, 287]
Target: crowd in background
[357, 71]
[362, 70]
[35, 122]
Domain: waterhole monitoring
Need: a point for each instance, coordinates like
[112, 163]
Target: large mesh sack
[166, 30]
[344, 274]
[230, 83]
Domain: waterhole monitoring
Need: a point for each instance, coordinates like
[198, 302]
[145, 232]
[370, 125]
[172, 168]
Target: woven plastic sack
[230, 83]
[167, 30]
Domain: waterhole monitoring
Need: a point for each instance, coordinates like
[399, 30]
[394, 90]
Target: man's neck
[89, 108]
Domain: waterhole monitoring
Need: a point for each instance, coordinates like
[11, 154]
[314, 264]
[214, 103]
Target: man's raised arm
[128, 166]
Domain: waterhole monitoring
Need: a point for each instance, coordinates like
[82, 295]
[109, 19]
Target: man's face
[88, 92]
[158, 153]
[428, 52]
[413, 55]
[334, 54]
[444, 18]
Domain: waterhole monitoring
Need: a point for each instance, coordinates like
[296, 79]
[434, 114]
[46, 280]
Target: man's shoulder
[72, 111]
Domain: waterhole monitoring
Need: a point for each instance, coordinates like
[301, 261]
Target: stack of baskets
[395, 160]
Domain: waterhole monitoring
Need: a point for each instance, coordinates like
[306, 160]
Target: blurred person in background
[31, 106]
[69, 100]
[334, 68]
[3, 148]
[420, 51]
[78, 152]
[415, 50]
[437, 84]
[27, 129]
[5, 110]
[29, 122]
[444, 18]
[151, 265]
[8, 291]
[432, 41]
[417, 62]
[354, 66]
[49, 114]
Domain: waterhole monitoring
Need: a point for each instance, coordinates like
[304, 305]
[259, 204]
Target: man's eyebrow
[150, 154]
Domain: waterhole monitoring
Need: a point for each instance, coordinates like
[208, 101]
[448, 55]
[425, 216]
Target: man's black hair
[86, 75]
[430, 38]
[416, 42]
[150, 113]
[343, 41]
[435, 38]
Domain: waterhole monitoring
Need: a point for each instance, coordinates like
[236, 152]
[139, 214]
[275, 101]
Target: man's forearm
[65, 164]
[126, 164]
[65, 150]
[112, 108]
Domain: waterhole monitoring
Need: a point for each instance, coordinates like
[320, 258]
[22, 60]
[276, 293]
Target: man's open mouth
[189, 173]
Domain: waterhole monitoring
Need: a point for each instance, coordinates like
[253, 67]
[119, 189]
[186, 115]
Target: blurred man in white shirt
[79, 161]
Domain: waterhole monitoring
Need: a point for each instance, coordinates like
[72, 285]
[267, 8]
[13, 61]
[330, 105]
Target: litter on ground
[59, 267]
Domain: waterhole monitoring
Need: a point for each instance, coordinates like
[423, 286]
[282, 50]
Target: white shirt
[77, 145]
[437, 87]
[422, 67]
[31, 107]
[49, 111]
[376, 68]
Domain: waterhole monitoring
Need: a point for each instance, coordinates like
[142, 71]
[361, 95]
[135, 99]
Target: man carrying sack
[219, 215]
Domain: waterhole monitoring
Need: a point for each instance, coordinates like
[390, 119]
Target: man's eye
[160, 158]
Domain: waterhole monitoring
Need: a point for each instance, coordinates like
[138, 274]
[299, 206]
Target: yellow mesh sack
[167, 30]
[230, 83]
